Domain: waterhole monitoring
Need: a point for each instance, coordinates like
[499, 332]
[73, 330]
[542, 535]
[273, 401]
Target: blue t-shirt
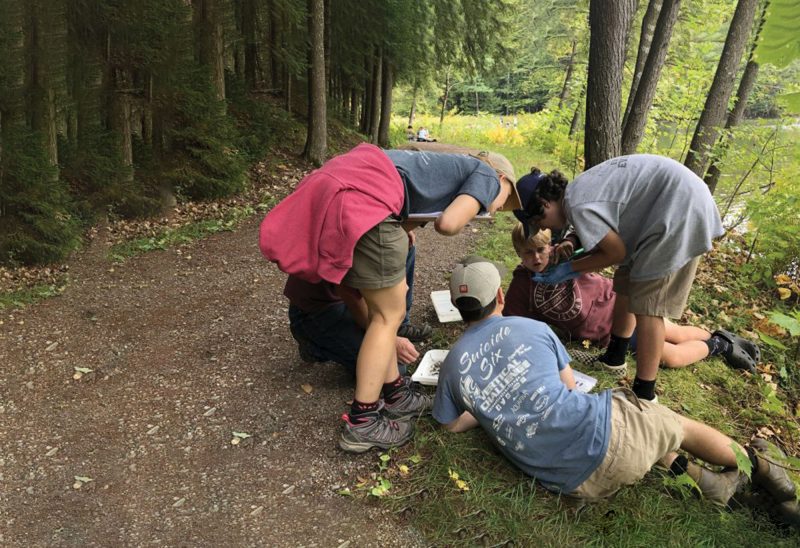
[505, 371]
[433, 180]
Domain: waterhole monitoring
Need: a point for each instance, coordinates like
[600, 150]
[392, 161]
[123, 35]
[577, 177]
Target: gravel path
[185, 346]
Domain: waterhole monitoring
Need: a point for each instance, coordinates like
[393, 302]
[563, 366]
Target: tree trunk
[446, 93]
[477, 104]
[328, 40]
[737, 111]
[375, 113]
[387, 82]
[316, 140]
[705, 134]
[120, 117]
[634, 125]
[567, 77]
[366, 110]
[250, 42]
[147, 112]
[354, 106]
[274, 66]
[609, 22]
[649, 22]
[209, 43]
[39, 85]
[413, 110]
[576, 116]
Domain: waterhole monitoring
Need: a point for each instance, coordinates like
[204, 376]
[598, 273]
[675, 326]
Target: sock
[679, 466]
[645, 390]
[717, 345]
[616, 350]
[391, 390]
[360, 412]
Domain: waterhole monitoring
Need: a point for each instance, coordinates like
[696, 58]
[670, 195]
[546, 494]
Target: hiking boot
[415, 333]
[409, 402]
[770, 476]
[787, 513]
[377, 431]
[718, 487]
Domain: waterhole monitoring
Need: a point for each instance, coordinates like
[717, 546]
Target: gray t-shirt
[505, 372]
[662, 211]
[434, 179]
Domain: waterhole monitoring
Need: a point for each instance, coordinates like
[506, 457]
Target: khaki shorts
[642, 432]
[663, 297]
[379, 258]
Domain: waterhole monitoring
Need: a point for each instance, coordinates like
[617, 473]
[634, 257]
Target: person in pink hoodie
[347, 223]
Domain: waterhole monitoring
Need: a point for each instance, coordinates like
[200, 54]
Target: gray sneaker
[412, 402]
[379, 431]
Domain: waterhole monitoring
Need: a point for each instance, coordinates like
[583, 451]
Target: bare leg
[707, 443]
[684, 344]
[377, 359]
[675, 333]
[623, 322]
[649, 346]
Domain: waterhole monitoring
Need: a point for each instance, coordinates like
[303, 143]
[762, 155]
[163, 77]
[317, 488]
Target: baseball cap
[526, 187]
[475, 277]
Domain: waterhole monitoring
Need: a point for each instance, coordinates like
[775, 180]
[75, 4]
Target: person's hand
[558, 274]
[563, 250]
[406, 353]
[412, 238]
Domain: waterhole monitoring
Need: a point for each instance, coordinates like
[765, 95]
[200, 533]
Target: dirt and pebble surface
[119, 399]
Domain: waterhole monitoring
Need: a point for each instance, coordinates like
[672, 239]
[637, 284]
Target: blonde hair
[539, 239]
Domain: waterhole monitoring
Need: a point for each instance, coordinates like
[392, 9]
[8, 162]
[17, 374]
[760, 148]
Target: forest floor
[186, 346]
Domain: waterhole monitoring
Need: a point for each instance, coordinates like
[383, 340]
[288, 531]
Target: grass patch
[172, 237]
[501, 506]
[31, 295]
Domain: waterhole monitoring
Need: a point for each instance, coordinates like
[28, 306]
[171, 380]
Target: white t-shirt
[663, 212]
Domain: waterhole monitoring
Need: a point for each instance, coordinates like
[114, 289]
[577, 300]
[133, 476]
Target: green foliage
[173, 237]
[100, 181]
[260, 125]
[779, 42]
[203, 163]
[24, 297]
[771, 209]
[36, 220]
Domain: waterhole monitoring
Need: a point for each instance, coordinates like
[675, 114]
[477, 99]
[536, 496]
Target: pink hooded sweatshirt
[312, 233]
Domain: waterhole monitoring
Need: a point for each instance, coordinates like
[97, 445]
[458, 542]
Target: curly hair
[550, 188]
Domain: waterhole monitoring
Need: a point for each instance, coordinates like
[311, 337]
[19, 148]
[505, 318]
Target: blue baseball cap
[526, 186]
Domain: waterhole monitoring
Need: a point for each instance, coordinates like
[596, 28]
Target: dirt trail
[185, 346]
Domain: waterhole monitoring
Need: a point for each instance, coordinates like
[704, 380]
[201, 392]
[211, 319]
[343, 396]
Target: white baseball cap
[476, 277]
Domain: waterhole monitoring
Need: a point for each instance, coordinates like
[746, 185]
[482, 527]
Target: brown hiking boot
[718, 487]
[770, 476]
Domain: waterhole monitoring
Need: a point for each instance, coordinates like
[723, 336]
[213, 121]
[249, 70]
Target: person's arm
[567, 377]
[464, 422]
[355, 304]
[457, 215]
[609, 251]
